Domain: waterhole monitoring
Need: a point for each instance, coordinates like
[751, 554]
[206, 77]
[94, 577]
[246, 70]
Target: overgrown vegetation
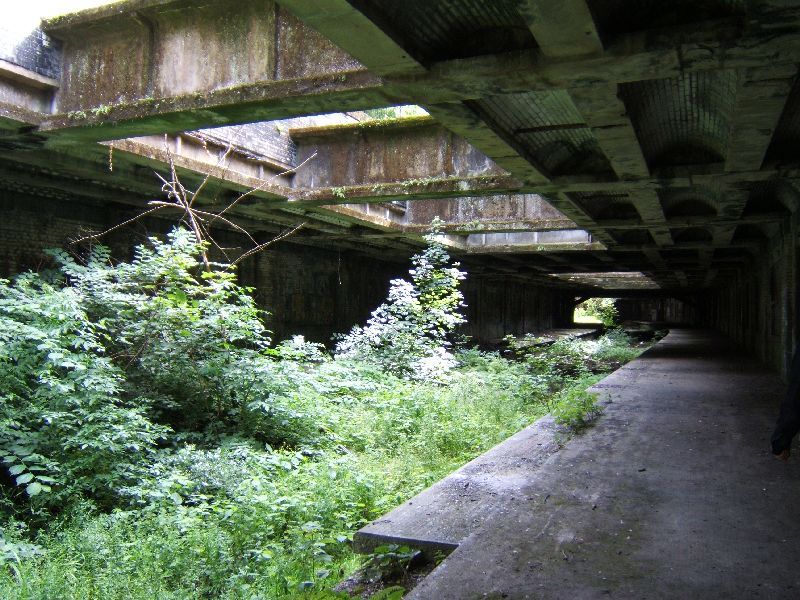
[396, 112]
[600, 310]
[156, 445]
[409, 334]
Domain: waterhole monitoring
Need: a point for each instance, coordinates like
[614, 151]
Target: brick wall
[498, 307]
[308, 291]
[317, 292]
[759, 309]
[32, 50]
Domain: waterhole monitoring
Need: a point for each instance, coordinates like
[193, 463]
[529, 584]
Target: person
[789, 418]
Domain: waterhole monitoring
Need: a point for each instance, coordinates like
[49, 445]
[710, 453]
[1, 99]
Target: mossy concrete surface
[672, 494]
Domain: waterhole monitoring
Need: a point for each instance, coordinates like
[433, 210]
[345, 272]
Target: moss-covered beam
[535, 248]
[246, 103]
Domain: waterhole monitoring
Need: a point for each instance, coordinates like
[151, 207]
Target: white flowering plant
[409, 334]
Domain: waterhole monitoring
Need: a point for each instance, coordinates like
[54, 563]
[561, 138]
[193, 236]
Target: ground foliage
[602, 309]
[156, 445]
[409, 334]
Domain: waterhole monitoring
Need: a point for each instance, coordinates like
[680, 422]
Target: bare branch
[224, 220]
[210, 238]
[94, 236]
[208, 175]
[266, 182]
[176, 190]
[178, 197]
[265, 245]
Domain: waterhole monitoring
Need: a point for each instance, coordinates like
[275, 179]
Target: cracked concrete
[673, 494]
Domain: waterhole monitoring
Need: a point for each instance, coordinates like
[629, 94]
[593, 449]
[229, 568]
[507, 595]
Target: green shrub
[408, 334]
[564, 358]
[611, 351]
[177, 455]
[67, 426]
[603, 309]
[575, 408]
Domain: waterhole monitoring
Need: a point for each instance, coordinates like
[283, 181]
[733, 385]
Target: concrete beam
[414, 189]
[760, 99]
[386, 152]
[15, 119]
[504, 184]
[535, 248]
[25, 96]
[606, 114]
[246, 103]
[165, 66]
[634, 57]
[142, 91]
[349, 28]
[562, 27]
[485, 211]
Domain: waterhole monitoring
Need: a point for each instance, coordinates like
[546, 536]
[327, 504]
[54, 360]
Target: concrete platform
[440, 518]
[447, 513]
[672, 494]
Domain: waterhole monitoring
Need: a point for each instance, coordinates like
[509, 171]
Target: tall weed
[156, 446]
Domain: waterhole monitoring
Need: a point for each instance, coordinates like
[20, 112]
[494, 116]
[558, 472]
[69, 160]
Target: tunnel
[567, 150]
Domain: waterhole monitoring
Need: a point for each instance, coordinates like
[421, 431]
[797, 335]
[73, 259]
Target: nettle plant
[408, 335]
[103, 362]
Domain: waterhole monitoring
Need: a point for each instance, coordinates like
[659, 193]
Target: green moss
[101, 111]
[422, 181]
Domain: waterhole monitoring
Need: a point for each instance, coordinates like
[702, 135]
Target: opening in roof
[609, 281]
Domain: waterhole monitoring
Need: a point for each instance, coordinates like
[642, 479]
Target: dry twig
[200, 221]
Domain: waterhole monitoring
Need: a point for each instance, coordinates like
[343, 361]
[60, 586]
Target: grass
[581, 317]
[239, 521]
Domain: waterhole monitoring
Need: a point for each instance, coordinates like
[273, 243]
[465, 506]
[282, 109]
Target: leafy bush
[191, 342]
[603, 309]
[177, 455]
[575, 408]
[613, 350]
[408, 334]
[67, 425]
[564, 358]
[101, 363]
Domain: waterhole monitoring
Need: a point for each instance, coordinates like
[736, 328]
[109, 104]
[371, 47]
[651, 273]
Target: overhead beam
[535, 248]
[760, 98]
[507, 184]
[561, 27]
[633, 57]
[497, 226]
[349, 28]
[15, 119]
[606, 114]
[246, 103]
